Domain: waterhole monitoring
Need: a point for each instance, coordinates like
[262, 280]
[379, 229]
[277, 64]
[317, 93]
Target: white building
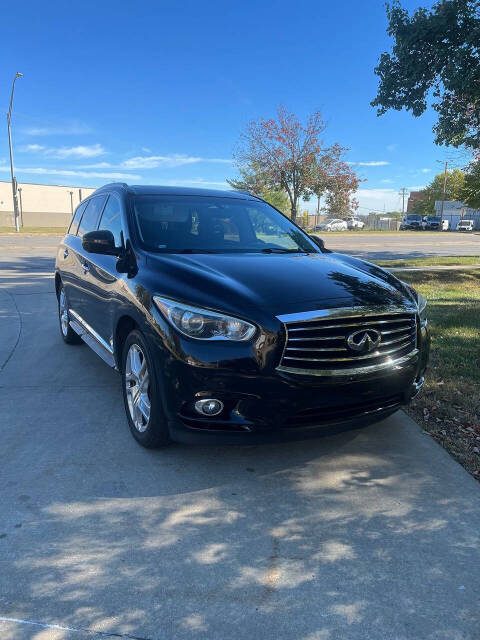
[40, 205]
[454, 211]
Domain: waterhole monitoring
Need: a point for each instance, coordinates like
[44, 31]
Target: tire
[142, 394]
[68, 334]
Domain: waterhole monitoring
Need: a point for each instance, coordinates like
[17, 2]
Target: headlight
[421, 303]
[202, 324]
[422, 309]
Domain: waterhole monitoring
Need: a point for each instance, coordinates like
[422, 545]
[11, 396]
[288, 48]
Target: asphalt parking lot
[368, 246]
[371, 534]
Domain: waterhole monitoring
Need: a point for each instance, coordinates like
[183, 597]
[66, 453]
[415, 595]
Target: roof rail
[124, 185]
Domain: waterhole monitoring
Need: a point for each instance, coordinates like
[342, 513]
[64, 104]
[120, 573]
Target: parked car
[411, 221]
[432, 223]
[355, 223]
[334, 225]
[222, 331]
[465, 225]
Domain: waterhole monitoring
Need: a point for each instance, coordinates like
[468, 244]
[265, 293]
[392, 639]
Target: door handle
[65, 254]
[85, 266]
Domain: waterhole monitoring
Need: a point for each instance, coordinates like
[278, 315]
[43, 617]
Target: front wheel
[141, 394]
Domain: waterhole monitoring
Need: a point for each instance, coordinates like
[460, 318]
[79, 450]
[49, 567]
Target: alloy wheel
[137, 386]
[63, 311]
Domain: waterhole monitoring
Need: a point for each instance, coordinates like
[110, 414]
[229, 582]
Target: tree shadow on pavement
[367, 534]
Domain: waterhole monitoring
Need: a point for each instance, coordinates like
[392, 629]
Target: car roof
[151, 190]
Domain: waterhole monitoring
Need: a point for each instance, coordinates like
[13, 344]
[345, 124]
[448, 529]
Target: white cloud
[370, 163]
[195, 182]
[154, 162]
[417, 187]
[70, 172]
[73, 129]
[99, 165]
[80, 151]
[386, 181]
[32, 148]
[167, 162]
[425, 170]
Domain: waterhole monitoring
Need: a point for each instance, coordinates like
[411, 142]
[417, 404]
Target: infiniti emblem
[364, 341]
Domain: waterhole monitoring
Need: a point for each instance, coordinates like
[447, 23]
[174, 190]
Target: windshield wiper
[281, 250]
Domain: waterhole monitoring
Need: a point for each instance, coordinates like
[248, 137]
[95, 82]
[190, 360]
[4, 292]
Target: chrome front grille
[319, 345]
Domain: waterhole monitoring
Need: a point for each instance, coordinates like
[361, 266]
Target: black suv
[226, 321]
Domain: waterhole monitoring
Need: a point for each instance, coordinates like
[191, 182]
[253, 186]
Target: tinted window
[215, 224]
[112, 219]
[76, 218]
[90, 216]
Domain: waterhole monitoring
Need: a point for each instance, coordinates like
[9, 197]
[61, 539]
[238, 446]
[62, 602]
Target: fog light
[209, 407]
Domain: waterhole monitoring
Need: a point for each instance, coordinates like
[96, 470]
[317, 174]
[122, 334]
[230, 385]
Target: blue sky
[158, 91]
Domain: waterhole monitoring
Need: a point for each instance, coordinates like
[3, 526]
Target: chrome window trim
[91, 331]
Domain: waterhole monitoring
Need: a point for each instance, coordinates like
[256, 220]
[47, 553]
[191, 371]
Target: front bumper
[259, 406]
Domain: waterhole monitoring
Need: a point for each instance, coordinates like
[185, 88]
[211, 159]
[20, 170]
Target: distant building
[454, 211]
[414, 198]
[40, 205]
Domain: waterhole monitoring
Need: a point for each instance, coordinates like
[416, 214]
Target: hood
[281, 282]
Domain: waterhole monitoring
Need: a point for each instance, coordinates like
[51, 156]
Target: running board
[99, 349]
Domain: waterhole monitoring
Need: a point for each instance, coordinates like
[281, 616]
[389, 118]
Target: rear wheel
[141, 394]
[68, 334]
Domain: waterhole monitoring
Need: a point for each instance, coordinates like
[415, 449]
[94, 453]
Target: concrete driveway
[371, 534]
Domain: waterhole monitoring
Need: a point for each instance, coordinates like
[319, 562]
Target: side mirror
[101, 241]
[318, 241]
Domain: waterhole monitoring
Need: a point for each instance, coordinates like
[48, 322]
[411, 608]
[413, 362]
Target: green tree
[435, 54]
[471, 188]
[252, 182]
[277, 199]
[455, 190]
[283, 154]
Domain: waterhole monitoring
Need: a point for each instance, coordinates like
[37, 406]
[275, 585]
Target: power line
[403, 193]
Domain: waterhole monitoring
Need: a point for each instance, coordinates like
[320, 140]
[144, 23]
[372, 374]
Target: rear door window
[91, 215]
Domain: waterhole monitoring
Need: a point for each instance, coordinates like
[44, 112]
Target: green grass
[430, 261]
[48, 230]
[449, 407]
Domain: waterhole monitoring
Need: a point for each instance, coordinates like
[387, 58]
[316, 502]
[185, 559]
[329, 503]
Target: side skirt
[95, 343]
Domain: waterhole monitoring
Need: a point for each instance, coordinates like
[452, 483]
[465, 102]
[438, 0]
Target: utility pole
[12, 172]
[403, 193]
[21, 205]
[443, 194]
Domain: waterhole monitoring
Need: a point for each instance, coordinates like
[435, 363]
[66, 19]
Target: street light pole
[12, 173]
[21, 205]
[71, 201]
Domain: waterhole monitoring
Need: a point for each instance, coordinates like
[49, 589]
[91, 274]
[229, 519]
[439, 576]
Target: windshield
[433, 219]
[205, 224]
[413, 217]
